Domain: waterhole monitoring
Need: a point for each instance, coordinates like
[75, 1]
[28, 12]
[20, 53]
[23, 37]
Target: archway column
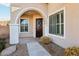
[45, 26]
[14, 33]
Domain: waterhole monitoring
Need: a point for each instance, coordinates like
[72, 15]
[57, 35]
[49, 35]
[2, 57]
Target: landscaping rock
[72, 51]
[8, 50]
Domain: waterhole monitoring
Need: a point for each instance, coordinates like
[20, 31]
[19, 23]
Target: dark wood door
[39, 27]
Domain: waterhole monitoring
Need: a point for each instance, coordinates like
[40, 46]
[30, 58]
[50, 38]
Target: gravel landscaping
[54, 49]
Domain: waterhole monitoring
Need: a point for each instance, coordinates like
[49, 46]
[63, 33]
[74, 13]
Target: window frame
[20, 25]
[64, 16]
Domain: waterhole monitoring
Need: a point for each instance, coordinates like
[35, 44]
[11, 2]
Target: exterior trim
[29, 8]
[36, 9]
[19, 26]
[64, 22]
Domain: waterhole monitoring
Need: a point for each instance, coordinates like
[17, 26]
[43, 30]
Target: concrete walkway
[35, 49]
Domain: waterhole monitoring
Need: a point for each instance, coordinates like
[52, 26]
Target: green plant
[2, 44]
[45, 40]
[73, 51]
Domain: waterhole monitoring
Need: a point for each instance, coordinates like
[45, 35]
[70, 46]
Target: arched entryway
[35, 20]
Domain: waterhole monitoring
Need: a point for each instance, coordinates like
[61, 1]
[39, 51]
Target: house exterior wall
[71, 24]
[21, 6]
[71, 37]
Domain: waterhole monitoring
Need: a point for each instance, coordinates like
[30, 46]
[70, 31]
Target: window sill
[23, 32]
[62, 37]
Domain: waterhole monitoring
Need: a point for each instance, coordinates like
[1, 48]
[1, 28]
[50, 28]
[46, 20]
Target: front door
[39, 27]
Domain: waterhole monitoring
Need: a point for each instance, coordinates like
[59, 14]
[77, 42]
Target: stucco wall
[52, 7]
[71, 24]
[21, 6]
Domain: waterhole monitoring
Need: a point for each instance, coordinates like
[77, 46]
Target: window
[56, 23]
[23, 25]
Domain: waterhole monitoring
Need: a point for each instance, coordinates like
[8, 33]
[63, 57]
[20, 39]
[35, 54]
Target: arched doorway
[34, 18]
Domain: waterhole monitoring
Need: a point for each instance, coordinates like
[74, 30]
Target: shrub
[73, 51]
[2, 44]
[45, 40]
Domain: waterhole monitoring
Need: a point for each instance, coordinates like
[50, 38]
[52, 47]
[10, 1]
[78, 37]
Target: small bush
[2, 44]
[74, 51]
[45, 40]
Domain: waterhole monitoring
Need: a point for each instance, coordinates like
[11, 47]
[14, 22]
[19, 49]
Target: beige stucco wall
[16, 9]
[71, 24]
[54, 6]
